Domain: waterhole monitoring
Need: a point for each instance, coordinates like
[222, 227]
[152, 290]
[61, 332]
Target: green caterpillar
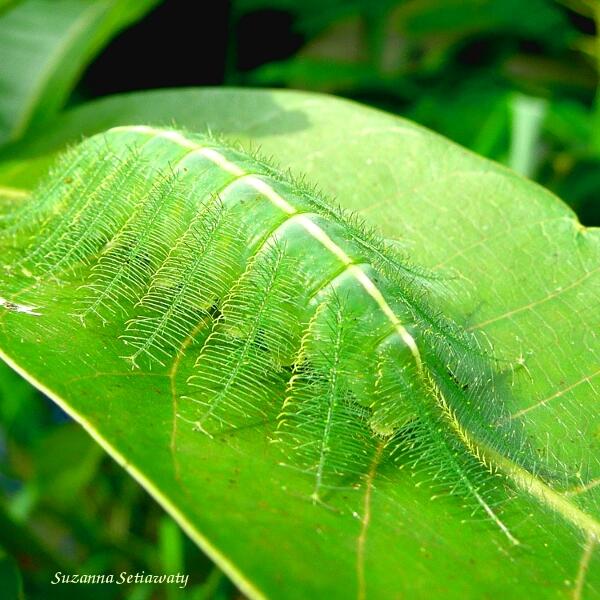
[297, 311]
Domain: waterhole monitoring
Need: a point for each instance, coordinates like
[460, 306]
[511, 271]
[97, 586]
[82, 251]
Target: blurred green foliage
[513, 80]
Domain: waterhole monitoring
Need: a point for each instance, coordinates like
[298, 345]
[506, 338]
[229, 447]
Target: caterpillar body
[298, 309]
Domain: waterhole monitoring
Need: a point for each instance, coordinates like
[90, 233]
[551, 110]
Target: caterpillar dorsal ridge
[297, 309]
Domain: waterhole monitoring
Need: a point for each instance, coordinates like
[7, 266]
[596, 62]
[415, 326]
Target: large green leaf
[524, 271]
[45, 44]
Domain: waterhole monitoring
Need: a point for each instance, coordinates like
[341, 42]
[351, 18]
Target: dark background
[514, 80]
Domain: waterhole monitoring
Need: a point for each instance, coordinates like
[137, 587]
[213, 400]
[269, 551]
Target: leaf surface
[520, 268]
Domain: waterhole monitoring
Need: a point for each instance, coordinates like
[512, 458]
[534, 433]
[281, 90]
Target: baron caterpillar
[302, 310]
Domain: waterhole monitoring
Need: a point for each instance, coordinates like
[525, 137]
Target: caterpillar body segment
[309, 318]
[321, 422]
[242, 360]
